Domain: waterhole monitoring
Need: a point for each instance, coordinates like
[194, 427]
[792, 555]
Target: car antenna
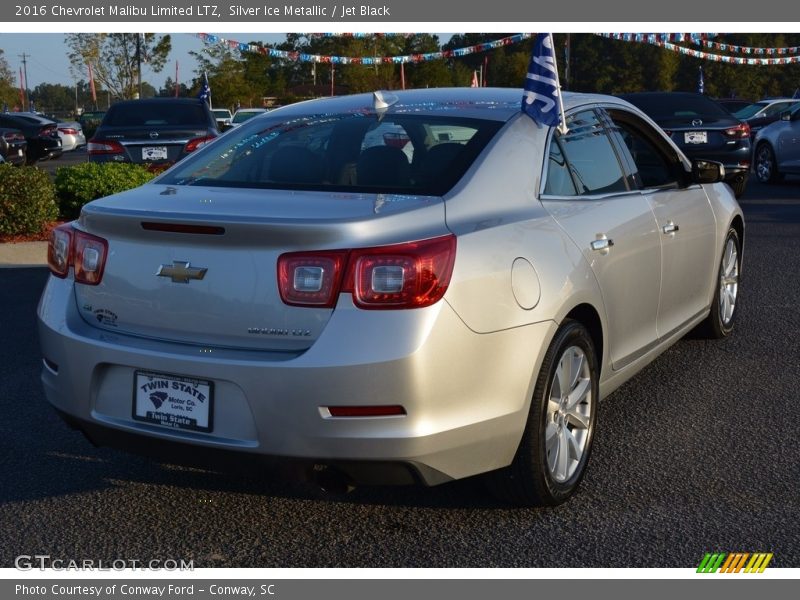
[381, 101]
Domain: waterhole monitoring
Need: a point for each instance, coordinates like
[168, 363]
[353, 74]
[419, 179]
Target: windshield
[406, 154]
[222, 113]
[151, 113]
[749, 111]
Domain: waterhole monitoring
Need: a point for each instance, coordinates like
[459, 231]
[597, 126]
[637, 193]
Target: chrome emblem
[153, 135]
[697, 122]
[180, 271]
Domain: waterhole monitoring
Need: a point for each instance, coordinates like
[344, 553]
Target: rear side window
[147, 114]
[589, 157]
[407, 154]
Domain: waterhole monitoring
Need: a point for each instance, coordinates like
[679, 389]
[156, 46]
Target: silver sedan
[410, 287]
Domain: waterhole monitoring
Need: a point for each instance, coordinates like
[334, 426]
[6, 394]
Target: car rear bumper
[466, 395]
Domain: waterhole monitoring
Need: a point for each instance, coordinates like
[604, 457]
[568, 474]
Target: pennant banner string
[365, 60]
[658, 40]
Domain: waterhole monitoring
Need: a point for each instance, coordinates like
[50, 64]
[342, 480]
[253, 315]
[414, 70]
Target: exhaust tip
[331, 480]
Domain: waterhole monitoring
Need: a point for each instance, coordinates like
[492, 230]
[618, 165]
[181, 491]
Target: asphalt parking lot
[698, 453]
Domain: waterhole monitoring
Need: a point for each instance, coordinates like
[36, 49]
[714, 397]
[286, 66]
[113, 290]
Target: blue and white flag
[796, 94]
[541, 99]
[205, 89]
[701, 84]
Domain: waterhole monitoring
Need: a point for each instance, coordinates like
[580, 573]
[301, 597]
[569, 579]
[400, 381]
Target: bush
[27, 200]
[85, 182]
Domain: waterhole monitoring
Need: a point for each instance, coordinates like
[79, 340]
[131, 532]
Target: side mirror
[707, 171]
[786, 115]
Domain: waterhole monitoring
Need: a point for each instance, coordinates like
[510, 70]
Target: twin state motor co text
[203, 10]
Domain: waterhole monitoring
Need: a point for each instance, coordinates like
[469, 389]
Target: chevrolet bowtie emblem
[180, 272]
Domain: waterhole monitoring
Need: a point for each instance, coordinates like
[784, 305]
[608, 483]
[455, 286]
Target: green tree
[9, 92]
[224, 68]
[114, 59]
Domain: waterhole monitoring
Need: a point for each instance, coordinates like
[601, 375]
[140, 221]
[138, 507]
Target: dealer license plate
[154, 153]
[695, 137]
[172, 401]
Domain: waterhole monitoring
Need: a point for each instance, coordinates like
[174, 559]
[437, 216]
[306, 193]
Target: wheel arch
[587, 315]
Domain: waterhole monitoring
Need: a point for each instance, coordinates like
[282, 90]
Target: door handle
[670, 228]
[602, 244]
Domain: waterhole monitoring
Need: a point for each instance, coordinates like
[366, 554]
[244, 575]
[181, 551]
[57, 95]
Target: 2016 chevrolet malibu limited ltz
[386, 288]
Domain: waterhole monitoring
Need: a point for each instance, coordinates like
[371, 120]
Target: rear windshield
[749, 111]
[155, 114]
[666, 106]
[404, 154]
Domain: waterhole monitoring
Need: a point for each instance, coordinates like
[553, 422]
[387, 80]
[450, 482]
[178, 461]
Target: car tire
[552, 456]
[719, 323]
[766, 165]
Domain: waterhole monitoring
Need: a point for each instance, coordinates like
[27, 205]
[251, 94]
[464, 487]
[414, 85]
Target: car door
[587, 193]
[787, 149]
[685, 220]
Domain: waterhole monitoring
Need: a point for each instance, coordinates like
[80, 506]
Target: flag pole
[562, 127]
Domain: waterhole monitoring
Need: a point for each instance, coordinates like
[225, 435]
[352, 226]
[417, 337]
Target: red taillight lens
[59, 250]
[69, 247]
[409, 275]
[741, 131]
[104, 147]
[68, 130]
[89, 258]
[311, 278]
[194, 144]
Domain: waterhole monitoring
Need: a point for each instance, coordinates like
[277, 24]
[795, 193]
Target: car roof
[487, 103]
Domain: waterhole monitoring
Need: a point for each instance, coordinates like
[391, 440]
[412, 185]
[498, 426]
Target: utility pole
[139, 62]
[25, 70]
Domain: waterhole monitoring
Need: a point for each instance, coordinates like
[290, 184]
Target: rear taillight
[86, 253]
[195, 143]
[741, 131]
[311, 278]
[13, 137]
[104, 147]
[48, 130]
[68, 130]
[409, 275]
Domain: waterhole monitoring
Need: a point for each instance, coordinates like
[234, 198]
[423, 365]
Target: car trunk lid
[199, 265]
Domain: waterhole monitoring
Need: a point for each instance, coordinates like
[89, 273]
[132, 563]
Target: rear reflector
[183, 228]
[366, 411]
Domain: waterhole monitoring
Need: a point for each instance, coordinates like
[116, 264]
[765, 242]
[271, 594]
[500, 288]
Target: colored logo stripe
[734, 562]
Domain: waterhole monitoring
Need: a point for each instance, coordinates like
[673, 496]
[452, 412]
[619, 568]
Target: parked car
[761, 114]
[245, 114]
[302, 290]
[702, 129]
[223, 118]
[71, 134]
[155, 131]
[13, 146]
[41, 135]
[777, 148]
